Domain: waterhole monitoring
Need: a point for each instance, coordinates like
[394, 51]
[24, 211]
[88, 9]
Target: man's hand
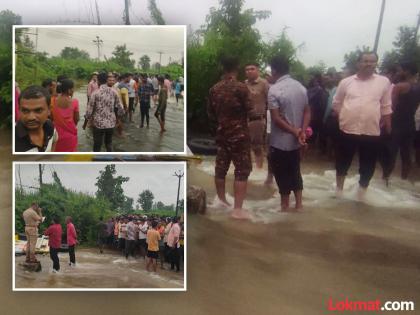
[302, 138]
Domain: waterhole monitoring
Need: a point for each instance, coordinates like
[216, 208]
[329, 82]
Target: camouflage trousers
[238, 152]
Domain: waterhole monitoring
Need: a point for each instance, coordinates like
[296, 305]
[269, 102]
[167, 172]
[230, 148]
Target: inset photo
[99, 227]
[107, 89]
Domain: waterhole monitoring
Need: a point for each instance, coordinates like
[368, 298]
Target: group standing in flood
[363, 113]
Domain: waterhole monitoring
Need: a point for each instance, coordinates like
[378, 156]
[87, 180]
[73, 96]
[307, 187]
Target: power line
[98, 42]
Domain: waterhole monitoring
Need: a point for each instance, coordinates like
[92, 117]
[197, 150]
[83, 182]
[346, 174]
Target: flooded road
[288, 264]
[94, 270]
[139, 139]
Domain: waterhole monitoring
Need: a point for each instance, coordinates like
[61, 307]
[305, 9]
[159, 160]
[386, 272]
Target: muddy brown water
[277, 264]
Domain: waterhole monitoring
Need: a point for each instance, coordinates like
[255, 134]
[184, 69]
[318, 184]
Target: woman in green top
[161, 108]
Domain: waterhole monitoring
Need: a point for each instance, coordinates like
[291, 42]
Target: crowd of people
[338, 113]
[157, 238]
[47, 116]
[152, 238]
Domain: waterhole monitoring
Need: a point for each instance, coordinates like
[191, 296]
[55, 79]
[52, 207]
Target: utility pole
[40, 176]
[179, 175]
[97, 12]
[160, 59]
[36, 57]
[378, 30]
[417, 29]
[126, 15]
[98, 42]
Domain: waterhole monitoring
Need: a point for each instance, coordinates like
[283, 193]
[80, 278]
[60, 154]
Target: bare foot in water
[361, 194]
[240, 214]
[287, 209]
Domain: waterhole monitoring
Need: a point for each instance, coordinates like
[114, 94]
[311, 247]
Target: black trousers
[72, 254]
[285, 166]
[131, 104]
[54, 258]
[174, 258]
[98, 139]
[144, 111]
[367, 148]
[129, 248]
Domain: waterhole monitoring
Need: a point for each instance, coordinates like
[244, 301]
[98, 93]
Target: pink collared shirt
[174, 233]
[71, 235]
[362, 103]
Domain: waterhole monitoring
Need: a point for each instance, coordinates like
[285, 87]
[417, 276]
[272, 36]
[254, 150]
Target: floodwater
[288, 264]
[95, 270]
[139, 139]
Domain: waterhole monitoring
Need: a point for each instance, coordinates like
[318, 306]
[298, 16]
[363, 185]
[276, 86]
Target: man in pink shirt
[71, 240]
[173, 244]
[362, 102]
[54, 232]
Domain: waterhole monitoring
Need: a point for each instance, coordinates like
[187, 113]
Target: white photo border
[182, 164]
[184, 27]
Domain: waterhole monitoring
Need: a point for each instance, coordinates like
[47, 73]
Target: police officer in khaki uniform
[258, 88]
[32, 217]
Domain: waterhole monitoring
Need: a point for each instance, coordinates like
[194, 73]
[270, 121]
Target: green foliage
[350, 59]
[155, 13]
[144, 62]
[7, 20]
[74, 53]
[406, 48]
[146, 200]
[121, 56]
[110, 188]
[56, 200]
[229, 30]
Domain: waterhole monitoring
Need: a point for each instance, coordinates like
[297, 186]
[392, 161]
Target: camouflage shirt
[229, 105]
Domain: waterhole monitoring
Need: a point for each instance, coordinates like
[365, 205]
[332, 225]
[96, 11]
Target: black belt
[256, 118]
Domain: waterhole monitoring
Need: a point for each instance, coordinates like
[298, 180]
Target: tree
[121, 56]
[406, 48]
[146, 200]
[144, 62]
[7, 20]
[156, 66]
[110, 187]
[74, 53]
[128, 204]
[155, 13]
[159, 205]
[229, 30]
[350, 59]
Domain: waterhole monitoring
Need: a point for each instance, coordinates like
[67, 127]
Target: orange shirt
[153, 238]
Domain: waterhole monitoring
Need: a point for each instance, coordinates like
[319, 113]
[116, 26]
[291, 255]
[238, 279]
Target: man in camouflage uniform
[229, 105]
[258, 88]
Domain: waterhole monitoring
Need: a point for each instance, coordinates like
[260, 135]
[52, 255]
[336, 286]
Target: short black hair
[102, 78]
[410, 67]
[229, 63]
[56, 219]
[362, 53]
[35, 92]
[154, 224]
[280, 64]
[66, 85]
[161, 79]
[47, 82]
[255, 64]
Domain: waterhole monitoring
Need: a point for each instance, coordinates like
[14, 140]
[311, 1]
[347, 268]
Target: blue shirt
[290, 98]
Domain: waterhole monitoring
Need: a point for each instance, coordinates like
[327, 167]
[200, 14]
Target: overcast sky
[329, 28]
[159, 178]
[139, 40]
